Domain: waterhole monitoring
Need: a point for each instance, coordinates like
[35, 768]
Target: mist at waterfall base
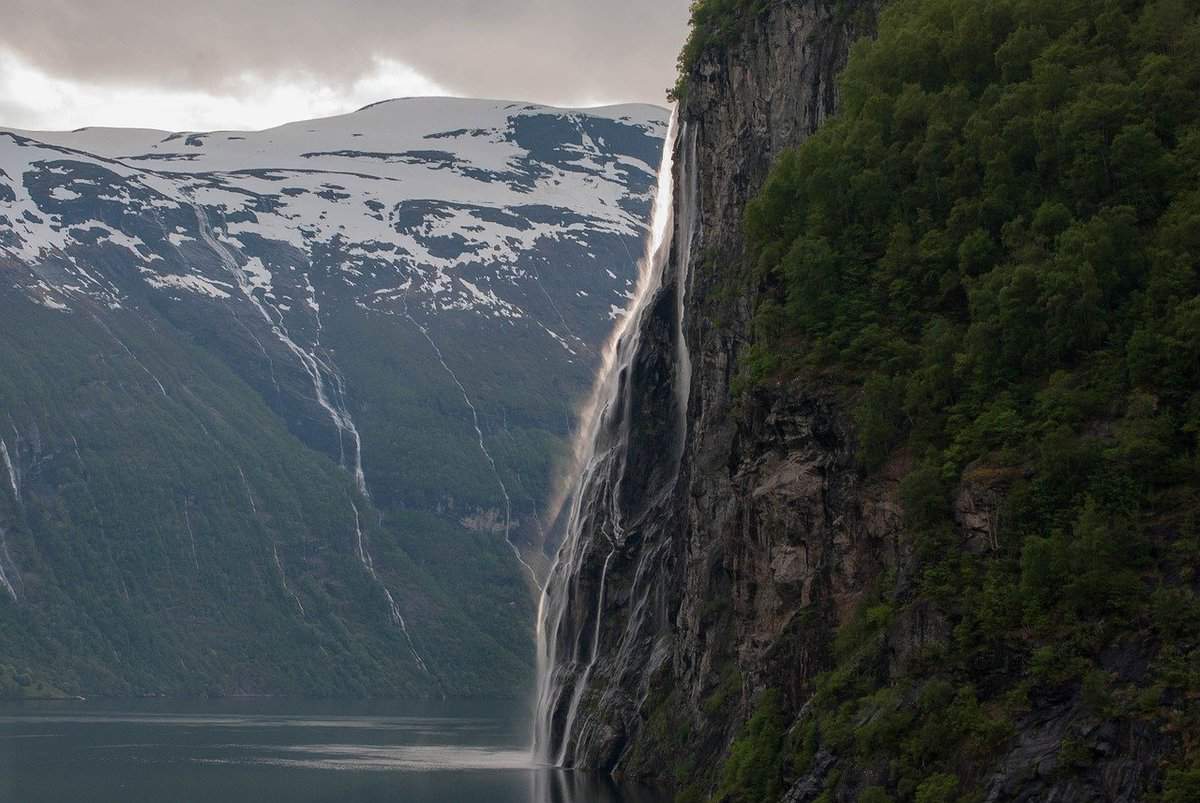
[283, 751]
[571, 615]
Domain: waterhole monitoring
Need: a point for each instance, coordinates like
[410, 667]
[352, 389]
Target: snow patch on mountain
[447, 195]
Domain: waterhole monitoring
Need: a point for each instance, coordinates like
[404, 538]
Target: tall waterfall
[571, 610]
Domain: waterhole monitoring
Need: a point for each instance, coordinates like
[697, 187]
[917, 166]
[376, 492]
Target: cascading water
[571, 612]
[15, 484]
[332, 399]
[12, 472]
[5, 583]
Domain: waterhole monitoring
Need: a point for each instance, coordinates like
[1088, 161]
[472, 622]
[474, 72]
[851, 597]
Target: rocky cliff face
[735, 563]
[720, 549]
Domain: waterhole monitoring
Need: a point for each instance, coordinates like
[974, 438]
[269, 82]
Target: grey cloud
[543, 50]
[16, 111]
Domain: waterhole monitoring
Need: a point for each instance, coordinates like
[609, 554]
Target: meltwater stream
[569, 638]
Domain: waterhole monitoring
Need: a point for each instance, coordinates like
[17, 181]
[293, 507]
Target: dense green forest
[992, 251]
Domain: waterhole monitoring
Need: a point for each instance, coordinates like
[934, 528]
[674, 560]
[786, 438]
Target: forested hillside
[993, 252]
[935, 530]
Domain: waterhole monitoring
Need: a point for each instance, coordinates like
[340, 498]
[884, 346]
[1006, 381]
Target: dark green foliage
[939, 788]
[753, 770]
[1182, 786]
[993, 250]
[878, 420]
[713, 23]
[875, 794]
[23, 684]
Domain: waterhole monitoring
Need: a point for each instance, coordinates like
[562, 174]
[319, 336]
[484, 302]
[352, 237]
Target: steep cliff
[720, 547]
[754, 598]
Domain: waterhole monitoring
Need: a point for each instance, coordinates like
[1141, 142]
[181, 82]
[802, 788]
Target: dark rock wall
[764, 514]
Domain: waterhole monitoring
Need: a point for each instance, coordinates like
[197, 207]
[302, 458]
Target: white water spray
[12, 472]
[593, 468]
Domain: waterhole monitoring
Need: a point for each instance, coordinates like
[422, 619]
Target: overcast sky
[207, 64]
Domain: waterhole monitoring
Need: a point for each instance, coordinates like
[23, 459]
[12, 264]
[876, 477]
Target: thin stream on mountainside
[316, 368]
[482, 444]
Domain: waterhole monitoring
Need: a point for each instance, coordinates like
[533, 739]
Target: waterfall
[4, 581]
[569, 631]
[13, 482]
[487, 455]
[330, 396]
[332, 399]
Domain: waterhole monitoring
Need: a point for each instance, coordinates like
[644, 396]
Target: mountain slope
[273, 401]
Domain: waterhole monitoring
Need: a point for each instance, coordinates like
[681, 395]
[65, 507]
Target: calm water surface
[268, 751]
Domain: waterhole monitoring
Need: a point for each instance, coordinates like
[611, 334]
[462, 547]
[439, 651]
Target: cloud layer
[570, 52]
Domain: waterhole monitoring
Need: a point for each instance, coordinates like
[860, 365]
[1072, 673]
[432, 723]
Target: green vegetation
[23, 684]
[713, 23]
[1182, 786]
[992, 250]
[752, 770]
[164, 540]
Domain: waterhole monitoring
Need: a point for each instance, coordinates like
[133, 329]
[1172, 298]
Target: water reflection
[558, 786]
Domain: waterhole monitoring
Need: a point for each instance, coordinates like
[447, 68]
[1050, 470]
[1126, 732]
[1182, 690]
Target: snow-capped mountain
[395, 309]
[405, 193]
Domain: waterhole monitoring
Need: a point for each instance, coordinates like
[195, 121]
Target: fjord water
[263, 751]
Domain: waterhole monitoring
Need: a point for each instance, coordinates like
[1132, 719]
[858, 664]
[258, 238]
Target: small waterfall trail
[15, 484]
[579, 341]
[274, 545]
[103, 526]
[313, 365]
[131, 355]
[4, 581]
[13, 480]
[368, 562]
[187, 520]
[599, 468]
[482, 445]
[283, 579]
[265, 353]
[332, 401]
